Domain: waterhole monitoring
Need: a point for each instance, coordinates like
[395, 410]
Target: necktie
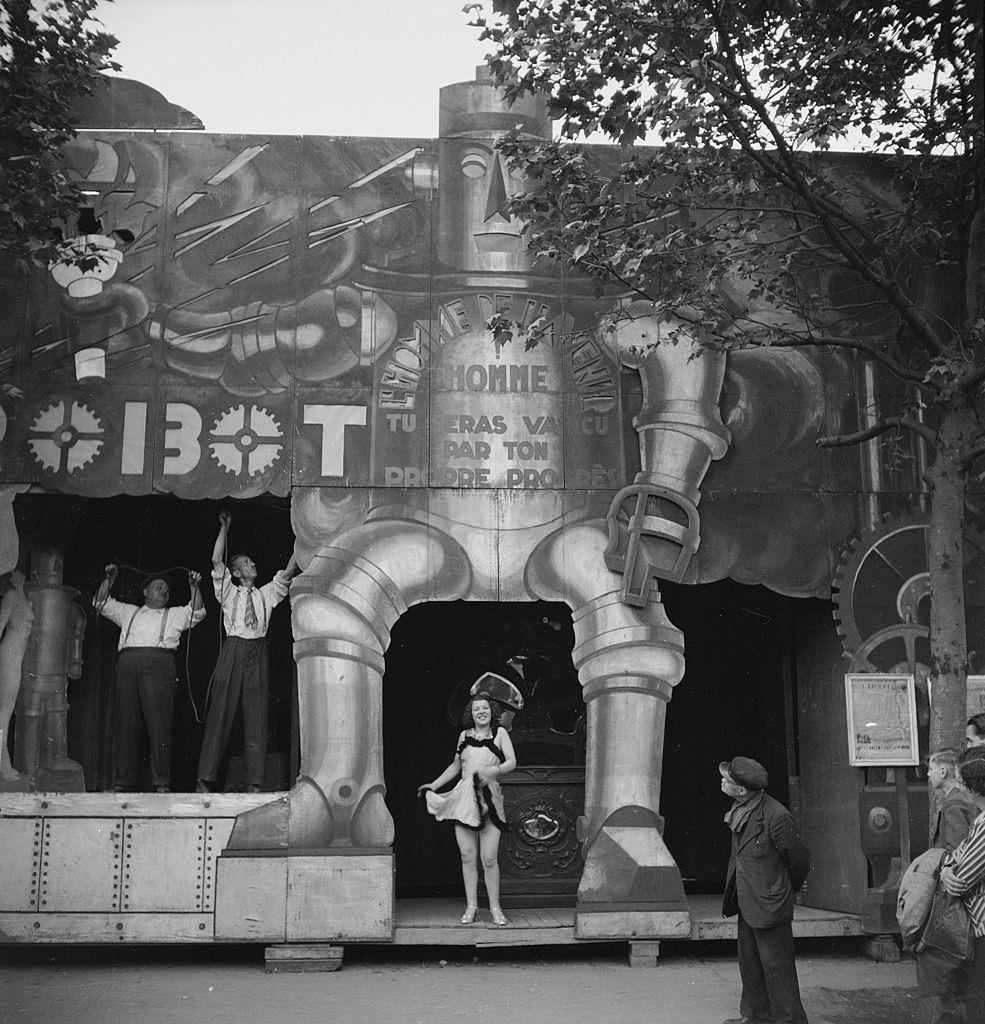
[250, 613]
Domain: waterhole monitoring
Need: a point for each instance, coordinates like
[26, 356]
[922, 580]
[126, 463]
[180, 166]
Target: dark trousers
[145, 688]
[241, 674]
[966, 989]
[770, 991]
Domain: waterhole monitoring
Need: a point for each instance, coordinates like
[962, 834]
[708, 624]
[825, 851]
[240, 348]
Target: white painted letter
[183, 437]
[134, 438]
[334, 419]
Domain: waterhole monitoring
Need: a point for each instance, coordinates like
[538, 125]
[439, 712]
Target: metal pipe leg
[628, 660]
[343, 608]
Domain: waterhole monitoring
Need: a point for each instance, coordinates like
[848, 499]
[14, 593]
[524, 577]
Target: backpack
[916, 893]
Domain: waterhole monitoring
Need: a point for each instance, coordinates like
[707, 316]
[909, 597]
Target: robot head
[476, 230]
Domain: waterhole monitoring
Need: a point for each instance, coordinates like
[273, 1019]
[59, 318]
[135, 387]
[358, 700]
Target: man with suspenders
[146, 679]
[241, 673]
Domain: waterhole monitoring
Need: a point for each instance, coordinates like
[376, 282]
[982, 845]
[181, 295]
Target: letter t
[334, 419]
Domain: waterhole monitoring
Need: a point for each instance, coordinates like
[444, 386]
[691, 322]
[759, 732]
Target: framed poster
[882, 719]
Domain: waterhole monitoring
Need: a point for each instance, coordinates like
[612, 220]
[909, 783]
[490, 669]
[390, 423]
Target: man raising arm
[241, 673]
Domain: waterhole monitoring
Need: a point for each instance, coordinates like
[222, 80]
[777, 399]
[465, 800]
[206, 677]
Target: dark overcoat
[768, 865]
[953, 819]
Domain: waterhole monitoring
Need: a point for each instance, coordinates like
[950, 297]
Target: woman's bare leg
[489, 851]
[468, 846]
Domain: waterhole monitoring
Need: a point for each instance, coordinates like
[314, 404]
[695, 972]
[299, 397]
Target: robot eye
[474, 165]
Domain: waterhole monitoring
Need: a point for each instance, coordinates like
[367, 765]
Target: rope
[221, 631]
[188, 642]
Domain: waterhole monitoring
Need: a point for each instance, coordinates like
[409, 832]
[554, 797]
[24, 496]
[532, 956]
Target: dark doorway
[153, 533]
[738, 696]
[437, 650]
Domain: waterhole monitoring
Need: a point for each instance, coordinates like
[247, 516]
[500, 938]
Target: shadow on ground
[866, 1006]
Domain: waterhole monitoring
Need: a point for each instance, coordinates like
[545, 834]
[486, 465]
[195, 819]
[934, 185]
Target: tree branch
[881, 426]
[836, 341]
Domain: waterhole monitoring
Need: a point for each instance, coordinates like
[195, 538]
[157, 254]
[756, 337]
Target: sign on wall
[882, 719]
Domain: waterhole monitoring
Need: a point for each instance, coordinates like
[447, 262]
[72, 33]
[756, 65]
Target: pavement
[695, 983]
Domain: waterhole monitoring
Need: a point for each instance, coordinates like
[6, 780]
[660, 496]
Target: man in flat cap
[768, 865]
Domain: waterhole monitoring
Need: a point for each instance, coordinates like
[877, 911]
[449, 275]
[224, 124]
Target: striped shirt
[964, 874]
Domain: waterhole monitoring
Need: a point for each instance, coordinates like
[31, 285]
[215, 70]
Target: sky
[291, 67]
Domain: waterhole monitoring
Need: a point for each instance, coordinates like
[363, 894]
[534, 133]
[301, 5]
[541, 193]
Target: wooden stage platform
[436, 923]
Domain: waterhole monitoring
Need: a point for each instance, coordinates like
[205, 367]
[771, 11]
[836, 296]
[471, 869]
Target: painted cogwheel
[65, 437]
[246, 439]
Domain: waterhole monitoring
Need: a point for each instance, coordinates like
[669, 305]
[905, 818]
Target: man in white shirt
[146, 680]
[241, 672]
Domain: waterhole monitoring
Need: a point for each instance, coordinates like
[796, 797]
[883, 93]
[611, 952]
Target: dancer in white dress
[484, 753]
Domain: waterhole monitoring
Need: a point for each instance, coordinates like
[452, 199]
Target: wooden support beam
[303, 958]
[644, 954]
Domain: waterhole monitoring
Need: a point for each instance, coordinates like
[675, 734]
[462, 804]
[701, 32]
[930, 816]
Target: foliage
[50, 54]
[743, 226]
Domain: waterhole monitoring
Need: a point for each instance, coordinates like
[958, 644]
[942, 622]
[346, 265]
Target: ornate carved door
[540, 857]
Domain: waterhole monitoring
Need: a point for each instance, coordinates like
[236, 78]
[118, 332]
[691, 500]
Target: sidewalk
[696, 983]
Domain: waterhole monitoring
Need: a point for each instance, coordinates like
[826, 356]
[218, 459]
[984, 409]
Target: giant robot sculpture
[53, 656]
[481, 532]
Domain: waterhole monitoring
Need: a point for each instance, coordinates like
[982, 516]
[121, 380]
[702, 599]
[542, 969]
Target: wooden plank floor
[436, 923]
[808, 922]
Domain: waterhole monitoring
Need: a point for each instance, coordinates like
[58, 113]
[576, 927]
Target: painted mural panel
[211, 444]
[256, 265]
[284, 312]
[82, 439]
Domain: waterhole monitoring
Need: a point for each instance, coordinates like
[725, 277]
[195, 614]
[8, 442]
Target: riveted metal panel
[20, 864]
[217, 833]
[163, 865]
[80, 864]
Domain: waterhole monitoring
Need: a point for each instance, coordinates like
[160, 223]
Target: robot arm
[653, 523]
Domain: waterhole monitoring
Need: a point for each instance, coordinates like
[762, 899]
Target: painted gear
[884, 581]
[882, 596]
[246, 439]
[65, 437]
[882, 593]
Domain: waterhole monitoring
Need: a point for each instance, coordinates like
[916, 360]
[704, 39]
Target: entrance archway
[437, 649]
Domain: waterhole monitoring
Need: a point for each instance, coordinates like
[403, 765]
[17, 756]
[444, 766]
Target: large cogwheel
[246, 439]
[883, 581]
[65, 437]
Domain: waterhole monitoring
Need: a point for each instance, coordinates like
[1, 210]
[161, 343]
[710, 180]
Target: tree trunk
[948, 635]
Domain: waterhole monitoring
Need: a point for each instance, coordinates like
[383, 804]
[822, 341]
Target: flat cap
[745, 772]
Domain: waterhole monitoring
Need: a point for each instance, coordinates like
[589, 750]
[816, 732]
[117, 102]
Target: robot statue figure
[492, 529]
[53, 656]
[16, 618]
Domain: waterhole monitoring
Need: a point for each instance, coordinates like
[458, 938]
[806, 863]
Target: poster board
[882, 719]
